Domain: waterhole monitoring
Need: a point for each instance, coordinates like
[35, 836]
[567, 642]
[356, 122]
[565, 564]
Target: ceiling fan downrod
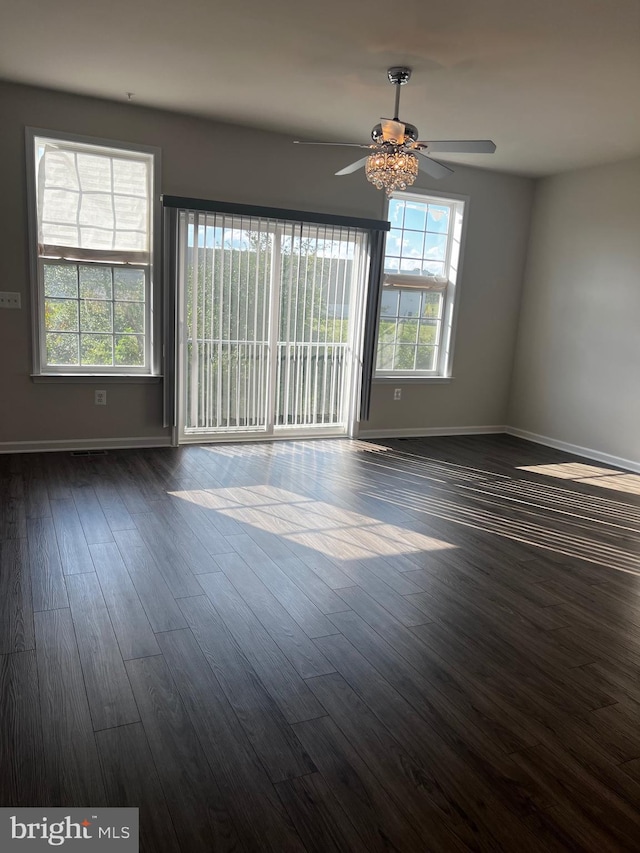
[398, 76]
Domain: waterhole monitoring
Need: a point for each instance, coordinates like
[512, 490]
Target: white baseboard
[587, 452]
[426, 432]
[84, 444]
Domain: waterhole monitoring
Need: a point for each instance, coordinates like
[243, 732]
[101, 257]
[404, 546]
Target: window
[92, 244]
[421, 264]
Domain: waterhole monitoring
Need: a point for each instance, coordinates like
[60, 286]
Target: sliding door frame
[357, 380]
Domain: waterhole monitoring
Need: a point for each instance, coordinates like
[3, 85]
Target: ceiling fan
[393, 163]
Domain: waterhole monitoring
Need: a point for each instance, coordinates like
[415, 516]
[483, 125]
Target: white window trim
[443, 372]
[153, 332]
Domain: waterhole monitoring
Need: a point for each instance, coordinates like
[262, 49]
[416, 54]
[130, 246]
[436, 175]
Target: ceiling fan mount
[396, 153]
[399, 75]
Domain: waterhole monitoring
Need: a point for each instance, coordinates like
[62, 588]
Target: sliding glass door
[270, 320]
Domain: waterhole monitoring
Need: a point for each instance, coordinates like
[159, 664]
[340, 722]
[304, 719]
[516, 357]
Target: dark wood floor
[326, 645]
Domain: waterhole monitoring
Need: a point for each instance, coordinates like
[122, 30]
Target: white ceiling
[554, 83]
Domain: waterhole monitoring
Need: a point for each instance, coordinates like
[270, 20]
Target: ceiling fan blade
[392, 130]
[349, 144]
[353, 167]
[433, 168]
[459, 146]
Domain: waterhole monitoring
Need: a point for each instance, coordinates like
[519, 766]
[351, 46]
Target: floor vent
[89, 452]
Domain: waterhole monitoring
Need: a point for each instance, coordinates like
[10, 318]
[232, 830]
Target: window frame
[152, 334]
[442, 372]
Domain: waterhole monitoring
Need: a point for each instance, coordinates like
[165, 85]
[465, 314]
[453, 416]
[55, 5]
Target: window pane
[62, 349]
[438, 219]
[435, 246]
[425, 358]
[95, 282]
[412, 244]
[407, 331]
[128, 317]
[431, 304]
[394, 242]
[95, 316]
[96, 349]
[61, 315]
[389, 303]
[391, 264]
[129, 284]
[428, 333]
[387, 331]
[410, 266]
[433, 268]
[130, 350]
[410, 303]
[60, 280]
[396, 209]
[385, 357]
[405, 357]
[415, 215]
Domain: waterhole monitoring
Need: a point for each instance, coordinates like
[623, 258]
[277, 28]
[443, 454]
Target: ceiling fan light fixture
[392, 170]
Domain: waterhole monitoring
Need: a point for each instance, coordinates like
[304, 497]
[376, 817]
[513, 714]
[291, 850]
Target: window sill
[92, 378]
[407, 378]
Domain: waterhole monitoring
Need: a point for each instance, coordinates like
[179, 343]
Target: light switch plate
[9, 300]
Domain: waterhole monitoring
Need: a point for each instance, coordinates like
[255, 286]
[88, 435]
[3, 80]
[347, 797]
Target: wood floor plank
[177, 574]
[265, 726]
[399, 606]
[327, 570]
[69, 749]
[460, 696]
[312, 621]
[156, 597]
[246, 789]
[576, 789]
[296, 645]
[191, 549]
[12, 508]
[16, 611]
[37, 499]
[109, 693]
[48, 589]
[131, 780]
[324, 598]
[74, 551]
[413, 791]
[114, 509]
[318, 816]
[284, 684]
[201, 821]
[351, 781]
[189, 513]
[94, 524]
[130, 623]
[502, 793]
[22, 782]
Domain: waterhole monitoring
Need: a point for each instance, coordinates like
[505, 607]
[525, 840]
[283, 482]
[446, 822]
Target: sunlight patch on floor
[592, 475]
[332, 531]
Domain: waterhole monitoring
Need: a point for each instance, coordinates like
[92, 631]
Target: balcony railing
[227, 385]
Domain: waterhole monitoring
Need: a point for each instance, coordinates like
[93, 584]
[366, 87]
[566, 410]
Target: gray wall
[577, 370]
[261, 168]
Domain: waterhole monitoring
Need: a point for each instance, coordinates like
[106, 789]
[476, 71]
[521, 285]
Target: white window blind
[93, 202]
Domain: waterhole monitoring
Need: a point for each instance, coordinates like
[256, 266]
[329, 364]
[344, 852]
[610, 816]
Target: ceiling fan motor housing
[410, 134]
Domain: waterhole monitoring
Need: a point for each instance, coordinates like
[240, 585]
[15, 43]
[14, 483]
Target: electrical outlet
[100, 398]
[9, 300]
[397, 393]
